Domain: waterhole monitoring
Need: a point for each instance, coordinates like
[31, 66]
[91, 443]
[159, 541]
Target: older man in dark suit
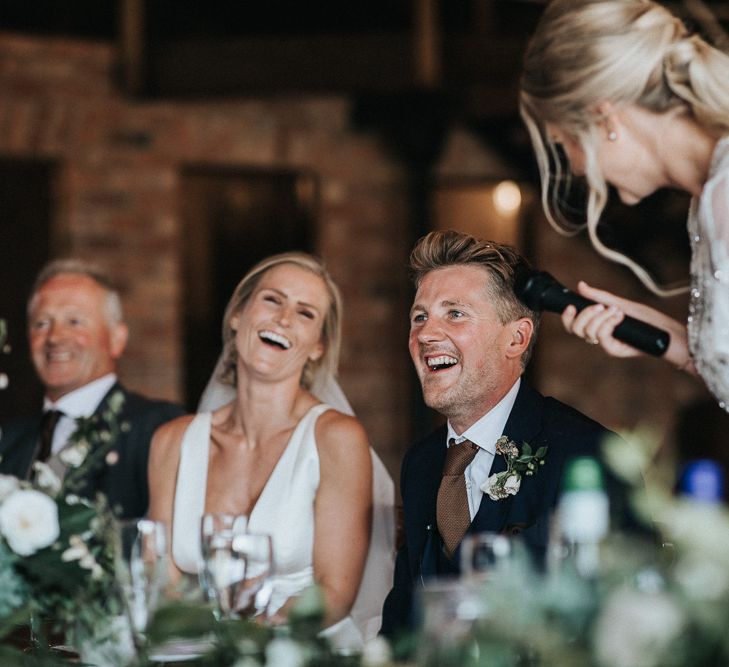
[470, 340]
[77, 334]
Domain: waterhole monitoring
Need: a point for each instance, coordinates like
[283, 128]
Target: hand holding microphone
[540, 291]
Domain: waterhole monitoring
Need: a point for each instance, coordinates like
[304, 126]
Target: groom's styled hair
[443, 249]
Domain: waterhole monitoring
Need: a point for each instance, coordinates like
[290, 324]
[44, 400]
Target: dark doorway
[231, 220]
[26, 207]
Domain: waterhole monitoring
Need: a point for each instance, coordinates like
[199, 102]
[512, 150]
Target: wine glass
[483, 554]
[141, 570]
[255, 593]
[449, 611]
[222, 568]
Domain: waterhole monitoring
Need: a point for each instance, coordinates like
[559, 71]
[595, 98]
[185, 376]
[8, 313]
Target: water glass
[449, 610]
[484, 554]
[222, 567]
[255, 593]
[141, 570]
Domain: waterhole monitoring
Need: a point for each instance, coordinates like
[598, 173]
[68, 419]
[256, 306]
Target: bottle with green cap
[583, 513]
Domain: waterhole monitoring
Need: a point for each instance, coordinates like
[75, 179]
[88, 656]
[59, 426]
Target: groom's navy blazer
[534, 419]
[124, 483]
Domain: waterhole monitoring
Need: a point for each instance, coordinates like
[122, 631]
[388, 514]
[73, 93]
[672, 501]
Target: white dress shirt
[81, 402]
[484, 433]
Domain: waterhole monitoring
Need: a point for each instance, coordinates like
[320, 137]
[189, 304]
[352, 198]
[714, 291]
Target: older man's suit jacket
[125, 482]
[534, 419]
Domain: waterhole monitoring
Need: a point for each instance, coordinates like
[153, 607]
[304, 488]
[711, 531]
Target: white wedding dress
[285, 510]
[708, 321]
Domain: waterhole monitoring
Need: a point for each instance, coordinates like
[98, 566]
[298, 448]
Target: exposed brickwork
[621, 393]
[117, 201]
[118, 197]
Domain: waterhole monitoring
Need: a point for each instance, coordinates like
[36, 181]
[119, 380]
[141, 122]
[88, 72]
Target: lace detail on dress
[708, 320]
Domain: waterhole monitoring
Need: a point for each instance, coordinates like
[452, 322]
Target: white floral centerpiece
[660, 597]
[56, 547]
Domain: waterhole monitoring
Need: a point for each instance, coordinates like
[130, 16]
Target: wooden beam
[335, 64]
[131, 46]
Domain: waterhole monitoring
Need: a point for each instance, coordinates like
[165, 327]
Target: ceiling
[470, 49]
[413, 66]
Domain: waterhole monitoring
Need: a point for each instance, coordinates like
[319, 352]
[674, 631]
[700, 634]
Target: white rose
[636, 629]
[75, 455]
[284, 652]
[8, 484]
[29, 521]
[490, 487]
[498, 490]
[46, 478]
[512, 484]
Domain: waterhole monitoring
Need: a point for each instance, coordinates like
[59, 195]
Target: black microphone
[540, 291]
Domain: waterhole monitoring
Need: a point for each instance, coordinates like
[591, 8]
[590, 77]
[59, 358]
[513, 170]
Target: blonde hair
[331, 328]
[442, 249]
[624, 51]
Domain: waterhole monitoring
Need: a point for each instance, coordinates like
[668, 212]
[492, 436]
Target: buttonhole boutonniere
[507, 483]
[93, 441]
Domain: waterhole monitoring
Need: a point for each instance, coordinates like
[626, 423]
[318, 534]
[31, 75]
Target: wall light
[507, 198]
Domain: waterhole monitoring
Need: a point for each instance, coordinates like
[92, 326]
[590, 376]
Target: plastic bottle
[703, 480]
[584, 514]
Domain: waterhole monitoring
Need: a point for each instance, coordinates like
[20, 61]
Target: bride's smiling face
[279, 328]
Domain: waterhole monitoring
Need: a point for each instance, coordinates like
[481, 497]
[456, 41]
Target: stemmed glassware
[484, 554]
[222, 568]
[255, 592]
[141, 571]
[449, 610]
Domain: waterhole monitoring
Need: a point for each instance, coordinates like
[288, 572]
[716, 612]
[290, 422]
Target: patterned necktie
[452, 505]
[48, 425]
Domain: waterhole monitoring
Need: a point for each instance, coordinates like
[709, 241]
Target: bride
[271, 449]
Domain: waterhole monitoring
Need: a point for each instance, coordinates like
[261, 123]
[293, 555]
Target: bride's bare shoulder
[169, 435]
[334, 427]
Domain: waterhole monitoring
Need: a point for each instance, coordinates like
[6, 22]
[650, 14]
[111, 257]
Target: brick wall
[620, 393]
[117, 202]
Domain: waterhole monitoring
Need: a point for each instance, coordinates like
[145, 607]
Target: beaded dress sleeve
[708, 321]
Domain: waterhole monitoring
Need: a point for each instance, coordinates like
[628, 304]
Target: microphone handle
[636, 333]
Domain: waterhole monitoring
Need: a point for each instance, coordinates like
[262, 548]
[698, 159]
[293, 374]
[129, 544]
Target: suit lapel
[523, 425]
[426, 469]
[18, 447]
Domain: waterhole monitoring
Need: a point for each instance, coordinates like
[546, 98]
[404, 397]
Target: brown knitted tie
[452, 506]
[48, 425]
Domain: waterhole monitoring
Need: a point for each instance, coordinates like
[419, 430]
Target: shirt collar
[490, 427]
[82, 402]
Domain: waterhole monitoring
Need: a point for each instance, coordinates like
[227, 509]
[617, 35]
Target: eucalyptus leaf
[181, 620]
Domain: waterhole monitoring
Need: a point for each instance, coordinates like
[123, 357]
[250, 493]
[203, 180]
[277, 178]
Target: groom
[470, 340]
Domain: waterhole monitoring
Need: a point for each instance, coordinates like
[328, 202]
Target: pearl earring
[612, 135]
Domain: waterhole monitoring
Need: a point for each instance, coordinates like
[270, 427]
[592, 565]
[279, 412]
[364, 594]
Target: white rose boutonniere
[500, 485]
